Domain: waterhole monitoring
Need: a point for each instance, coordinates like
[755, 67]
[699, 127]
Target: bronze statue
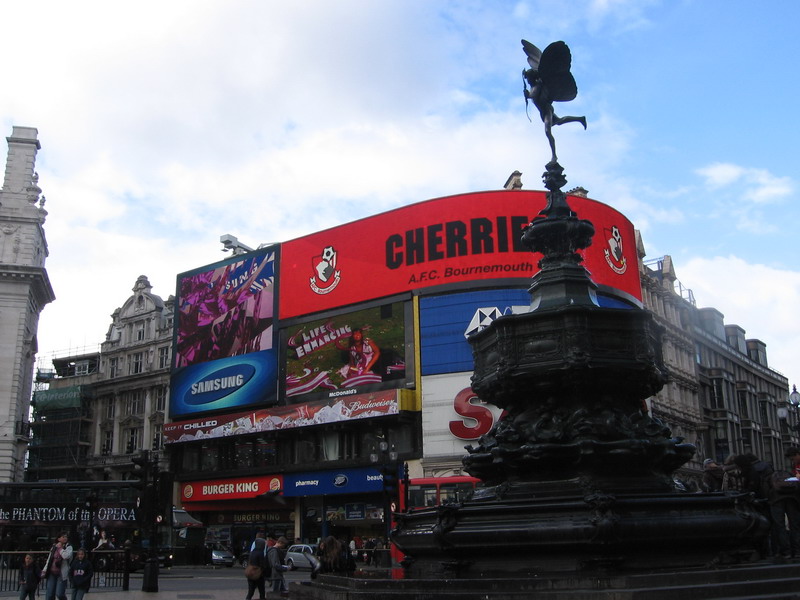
[550, 81]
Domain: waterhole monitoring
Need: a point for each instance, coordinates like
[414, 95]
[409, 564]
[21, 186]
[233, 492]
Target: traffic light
[141, 469]
[390, 480]
[141, 466]
[164, 503]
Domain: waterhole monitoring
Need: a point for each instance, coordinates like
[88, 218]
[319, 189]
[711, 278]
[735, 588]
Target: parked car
[297, 556]
[220, 555]
[139, 557]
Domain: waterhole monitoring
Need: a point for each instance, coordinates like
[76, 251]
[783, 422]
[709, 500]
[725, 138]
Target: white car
[220, 555]
[301, 556]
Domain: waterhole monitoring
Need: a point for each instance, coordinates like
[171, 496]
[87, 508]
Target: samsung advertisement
[224, 348]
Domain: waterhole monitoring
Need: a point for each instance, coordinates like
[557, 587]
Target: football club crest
[613, 252]
[327, 276]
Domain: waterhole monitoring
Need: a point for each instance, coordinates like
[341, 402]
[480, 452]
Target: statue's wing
[534, 54]
[555, 74]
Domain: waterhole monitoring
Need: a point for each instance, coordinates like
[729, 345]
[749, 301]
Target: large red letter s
[463, 406]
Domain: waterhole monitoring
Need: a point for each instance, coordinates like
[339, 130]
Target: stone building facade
[721, 394]
[123, 391]
[24, 291]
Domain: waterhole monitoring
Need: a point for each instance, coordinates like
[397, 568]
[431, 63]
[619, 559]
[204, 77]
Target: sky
[164, 125]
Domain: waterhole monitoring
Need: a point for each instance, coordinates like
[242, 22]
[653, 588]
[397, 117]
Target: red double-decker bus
[425, 492]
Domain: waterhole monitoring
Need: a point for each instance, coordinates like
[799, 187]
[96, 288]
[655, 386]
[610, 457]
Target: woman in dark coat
[257, 558]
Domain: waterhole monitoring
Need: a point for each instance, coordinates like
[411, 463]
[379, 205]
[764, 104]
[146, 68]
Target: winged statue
[550, 80]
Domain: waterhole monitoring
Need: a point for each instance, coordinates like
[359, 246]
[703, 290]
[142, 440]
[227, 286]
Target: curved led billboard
[224, 342]
[225, 309]
[350, 353]
[454, 239]
[225, 384]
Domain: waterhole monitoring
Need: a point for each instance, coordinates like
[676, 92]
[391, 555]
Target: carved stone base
[512, 537]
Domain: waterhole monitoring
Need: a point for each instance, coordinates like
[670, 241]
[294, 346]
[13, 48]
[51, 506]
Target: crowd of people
[267, 561]
[776, 491]
[63, 565]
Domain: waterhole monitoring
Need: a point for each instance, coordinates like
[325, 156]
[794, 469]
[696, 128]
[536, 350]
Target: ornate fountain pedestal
[578, 474]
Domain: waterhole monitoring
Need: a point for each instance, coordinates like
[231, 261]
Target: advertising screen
[446, 320]
[226, 309]
[225, 356]
[224, 384]
[348, 354]
[450, 240]
[453, 416]
[314, 412]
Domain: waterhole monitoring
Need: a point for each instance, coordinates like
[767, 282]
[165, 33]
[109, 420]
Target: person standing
[80, 574]
[256, 558]
[793, 454]
[28, 579]
[56, 568]
[276, 566]
[714, 476]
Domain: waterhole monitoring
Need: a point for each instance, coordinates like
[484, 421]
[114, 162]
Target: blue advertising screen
[225, 384]
[444, 320]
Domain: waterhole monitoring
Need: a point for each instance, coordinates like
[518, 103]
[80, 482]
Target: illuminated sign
[224, 384]
[448, 240]
[347, 354]
[315, 412]
[230, 489]
[452, 415]
[225, 309]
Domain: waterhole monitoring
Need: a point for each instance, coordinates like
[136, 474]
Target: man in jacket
[275, 559]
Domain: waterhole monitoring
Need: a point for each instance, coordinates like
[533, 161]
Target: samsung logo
[219, 384]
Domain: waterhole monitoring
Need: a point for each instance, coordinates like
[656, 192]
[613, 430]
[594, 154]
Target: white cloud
[763, 300]
[758, 185]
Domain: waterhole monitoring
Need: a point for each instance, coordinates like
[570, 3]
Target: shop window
[191, 457]
[209, 460]
[244, 454]
[330, 446]
[305, 452]
[265, 453]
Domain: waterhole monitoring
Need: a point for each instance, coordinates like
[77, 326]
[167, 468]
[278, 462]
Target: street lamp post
[147, 463]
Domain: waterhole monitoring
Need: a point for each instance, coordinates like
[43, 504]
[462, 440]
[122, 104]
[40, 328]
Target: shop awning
[181, 518]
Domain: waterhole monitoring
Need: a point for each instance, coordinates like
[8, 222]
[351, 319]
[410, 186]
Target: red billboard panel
[448, 240]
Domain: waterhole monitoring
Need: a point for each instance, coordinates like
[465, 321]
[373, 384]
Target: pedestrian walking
[29, 578]
[80, 575]
[56, 568]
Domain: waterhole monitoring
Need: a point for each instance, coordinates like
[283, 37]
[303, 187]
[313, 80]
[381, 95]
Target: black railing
[109, 569]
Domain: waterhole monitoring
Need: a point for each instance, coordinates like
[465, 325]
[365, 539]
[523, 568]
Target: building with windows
[721, 394]
[305, 369]
[24, 291]
[119, 396]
